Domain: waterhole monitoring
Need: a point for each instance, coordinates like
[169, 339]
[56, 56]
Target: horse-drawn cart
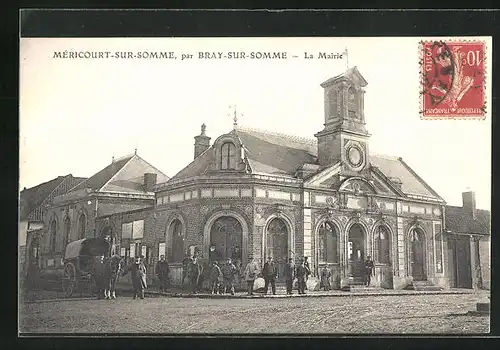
[79, 260]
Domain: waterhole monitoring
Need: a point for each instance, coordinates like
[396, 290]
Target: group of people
[222, 277]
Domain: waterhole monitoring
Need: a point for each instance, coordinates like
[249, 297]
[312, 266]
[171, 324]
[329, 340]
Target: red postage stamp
[452, 74]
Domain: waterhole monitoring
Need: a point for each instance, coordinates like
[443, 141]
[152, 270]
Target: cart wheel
[69, 280]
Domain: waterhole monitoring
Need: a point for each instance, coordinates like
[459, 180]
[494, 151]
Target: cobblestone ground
[380, 314]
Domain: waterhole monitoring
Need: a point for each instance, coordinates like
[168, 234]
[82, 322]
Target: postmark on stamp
[452, 75]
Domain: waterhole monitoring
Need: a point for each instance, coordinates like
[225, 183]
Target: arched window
[53, 232]
[277, 239]
[277, 243]
[352, 103]
[382, 245]
[67, 230]
[228, 156]
[327, 243]
[177, 254]
[82, 226]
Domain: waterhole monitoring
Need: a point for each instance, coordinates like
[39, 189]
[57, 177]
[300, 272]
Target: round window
[354, 156]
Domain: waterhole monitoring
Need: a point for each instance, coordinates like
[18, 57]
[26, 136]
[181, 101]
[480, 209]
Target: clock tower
[344, 137]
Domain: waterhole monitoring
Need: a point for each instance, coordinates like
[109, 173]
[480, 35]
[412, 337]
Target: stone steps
[423, 286]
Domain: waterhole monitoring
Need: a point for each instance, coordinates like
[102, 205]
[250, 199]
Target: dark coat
[290, 271]
[369, 267]
[306, 265]
[270, 270]
[194, 271]
[100, 273]
[301, 272]
[138, 273]
[162, 268]
[215, 273]
[325, 277]
[228, 270]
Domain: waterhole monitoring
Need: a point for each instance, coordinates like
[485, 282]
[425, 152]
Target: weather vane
[346, 59]
[235, 116]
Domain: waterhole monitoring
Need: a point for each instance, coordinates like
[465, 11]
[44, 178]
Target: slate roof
[99, 179]
[125, 174]
[31, 198]
[273, 153]
[280, 154]
[460, 220]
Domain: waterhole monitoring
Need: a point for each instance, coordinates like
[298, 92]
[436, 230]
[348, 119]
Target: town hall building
[258, 193]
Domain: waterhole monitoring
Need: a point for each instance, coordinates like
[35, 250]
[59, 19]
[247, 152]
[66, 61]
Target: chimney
[149, 181]
[201, 142]
[469, 202]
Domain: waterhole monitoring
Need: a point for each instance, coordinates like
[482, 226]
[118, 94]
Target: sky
[76, 114]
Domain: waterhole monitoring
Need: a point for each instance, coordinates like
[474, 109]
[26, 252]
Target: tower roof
[351, 74]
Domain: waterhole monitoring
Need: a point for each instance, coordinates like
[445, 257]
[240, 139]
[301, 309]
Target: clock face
[355, 156]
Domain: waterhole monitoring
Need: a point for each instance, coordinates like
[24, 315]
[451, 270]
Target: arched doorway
[356, 252]
[226, 236]
[417, 254]
[177, 250]
[277, 244]
[382, 245]
[328, 243]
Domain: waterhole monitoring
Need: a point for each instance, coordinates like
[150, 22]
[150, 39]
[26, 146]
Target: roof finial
[346, 59]
[135, 150]
[113, 158]
[203, 128]
[235, 117]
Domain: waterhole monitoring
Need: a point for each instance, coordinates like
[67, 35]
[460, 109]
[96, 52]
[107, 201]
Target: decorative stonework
[203, 210]
[249, 210]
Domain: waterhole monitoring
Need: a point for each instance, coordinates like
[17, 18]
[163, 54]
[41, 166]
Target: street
[401, 314]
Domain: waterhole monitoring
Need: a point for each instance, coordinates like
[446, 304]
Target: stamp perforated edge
[421, 72]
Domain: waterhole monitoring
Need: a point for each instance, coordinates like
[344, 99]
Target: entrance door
[277, 245]
[356, 252]
[417, 241]
[463, 263]
[226, 236]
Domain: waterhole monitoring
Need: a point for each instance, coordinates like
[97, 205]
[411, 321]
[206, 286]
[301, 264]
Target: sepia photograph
[298, 185]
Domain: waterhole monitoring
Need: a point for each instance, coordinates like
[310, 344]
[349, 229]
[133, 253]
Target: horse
[113, 267]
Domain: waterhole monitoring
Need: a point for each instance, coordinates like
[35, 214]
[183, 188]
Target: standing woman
[250, 273]
[138, 272]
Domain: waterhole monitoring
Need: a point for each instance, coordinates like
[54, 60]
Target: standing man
[186, 262]
[228, 272]
[99, 275]
[194, 273]
[138, 272]
[369, 267]
[289, 275]
[325, 278]
[215, 278]
[250, 273]
[270, 272]
[162, 271]
[301, 274]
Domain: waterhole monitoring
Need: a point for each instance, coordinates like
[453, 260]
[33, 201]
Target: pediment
[325, 178]
[357, 185]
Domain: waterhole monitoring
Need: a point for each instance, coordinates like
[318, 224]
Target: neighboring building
[469, 244]
[266, 194]
[124, 185]
[33, 205]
